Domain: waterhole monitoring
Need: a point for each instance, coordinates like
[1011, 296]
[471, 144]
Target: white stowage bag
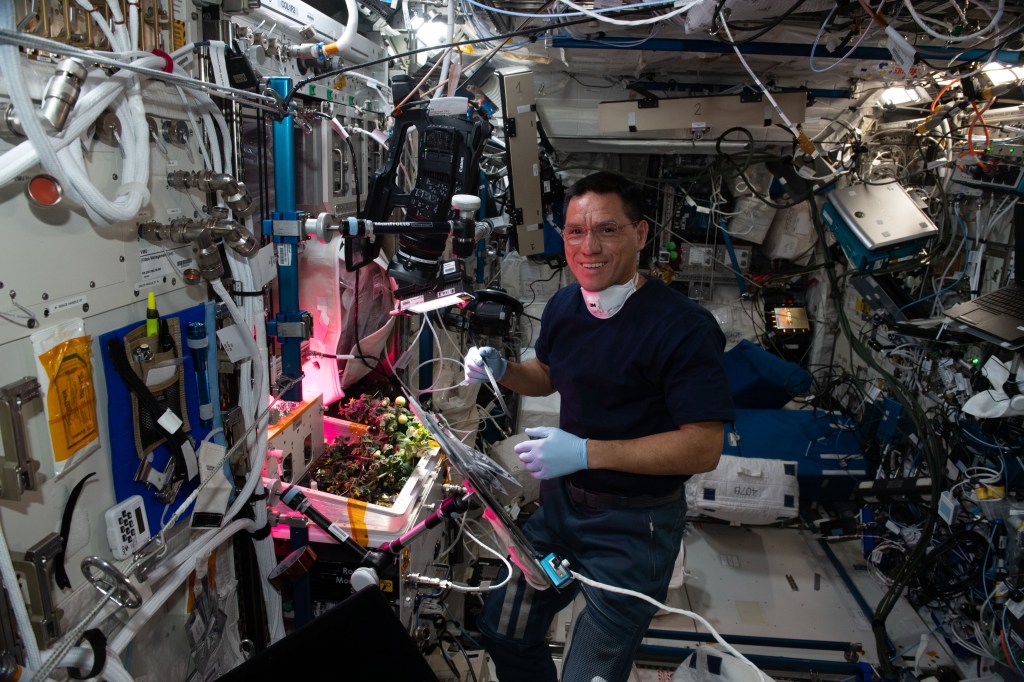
[708, 664]
[746, 490]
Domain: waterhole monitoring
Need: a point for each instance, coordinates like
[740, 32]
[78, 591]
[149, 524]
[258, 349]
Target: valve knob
[466, 202]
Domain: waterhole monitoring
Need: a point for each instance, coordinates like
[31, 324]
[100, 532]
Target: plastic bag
[64, 367]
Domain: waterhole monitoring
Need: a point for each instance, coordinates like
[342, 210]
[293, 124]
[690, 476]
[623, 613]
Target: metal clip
[17, 473]
[164, 483]
[148, 556]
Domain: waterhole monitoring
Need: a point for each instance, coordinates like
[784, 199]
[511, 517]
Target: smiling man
[638, 367]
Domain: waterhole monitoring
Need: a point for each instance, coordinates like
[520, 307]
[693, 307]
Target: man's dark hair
[605, 182]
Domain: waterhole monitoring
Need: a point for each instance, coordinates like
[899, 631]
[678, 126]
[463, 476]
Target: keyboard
[1008, 300]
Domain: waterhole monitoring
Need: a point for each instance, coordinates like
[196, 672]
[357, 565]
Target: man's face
[601, 242]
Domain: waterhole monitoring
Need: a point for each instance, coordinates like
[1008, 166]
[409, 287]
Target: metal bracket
[300, 328]
[234, 431]
[165, 484]
[10, 642]
[18, 469]
[37, 566]
[647, 103]
[510, 127]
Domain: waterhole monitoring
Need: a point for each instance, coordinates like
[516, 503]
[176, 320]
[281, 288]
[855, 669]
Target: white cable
[447, 60]
[683, 612]
[336, 126]
[124, 42]
[153, 605]
[21, 617]
[375, 85]
[381, 140]
[219, 151]
[254, 410]
[319, 50]
[254, 414]
[195, 129]
[347, 36]
[785, 119]
[864, 34]
[72, 175]
[636, 22]
[124, 61]
[951, 38]
[12, 68]
[94, 12]
[449, 585]
[256, 366]
[133, 25]
[83, 658]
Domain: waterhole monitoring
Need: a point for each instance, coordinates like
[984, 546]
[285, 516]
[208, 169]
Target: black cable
[933, 455]
[361, 355]
[945, 574]
[1010, 33]
[512, 34]
[385, 15]
[355, 168]
[769, 26]
[503, 22]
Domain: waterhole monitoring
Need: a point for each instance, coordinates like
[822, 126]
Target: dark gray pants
[631, 548]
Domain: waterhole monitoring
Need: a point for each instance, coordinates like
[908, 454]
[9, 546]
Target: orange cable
[935, 102]
[877, 18]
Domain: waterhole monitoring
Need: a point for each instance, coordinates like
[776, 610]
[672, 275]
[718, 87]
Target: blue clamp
[556, 569]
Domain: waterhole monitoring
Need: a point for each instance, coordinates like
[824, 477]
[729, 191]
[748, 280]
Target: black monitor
[359, 640]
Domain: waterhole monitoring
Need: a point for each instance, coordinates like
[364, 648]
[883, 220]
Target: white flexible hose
[94, 12]
[66, 165]
[320, 50]
[351, 24]
[336, 126]
[151, 606]
[683, 612]
[254, 409]
[689, 4]
[124, 42]
[93, 101]
[11, 67]
[195, 130]
[447, 62]
[133, 24]
[245, 400]
[994, 23]
[73, 176]
[21, 617]
[82, 658]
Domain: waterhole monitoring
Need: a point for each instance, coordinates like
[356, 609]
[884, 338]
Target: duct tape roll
[292, 567]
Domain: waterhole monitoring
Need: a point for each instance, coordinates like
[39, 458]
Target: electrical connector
[949, 507]
[903, 53]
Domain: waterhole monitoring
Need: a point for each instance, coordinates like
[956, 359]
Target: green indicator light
[975, 361]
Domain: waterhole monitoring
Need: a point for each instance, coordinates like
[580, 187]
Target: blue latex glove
[554, 452]
[477, 358]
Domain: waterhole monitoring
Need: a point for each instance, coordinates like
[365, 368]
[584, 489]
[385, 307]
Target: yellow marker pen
[152, 316]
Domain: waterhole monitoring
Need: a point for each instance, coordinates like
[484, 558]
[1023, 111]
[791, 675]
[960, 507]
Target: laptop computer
[484, 480]
[998, 316]
[882, 216]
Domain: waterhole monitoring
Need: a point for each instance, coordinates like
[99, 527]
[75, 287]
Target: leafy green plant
[373, 463]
